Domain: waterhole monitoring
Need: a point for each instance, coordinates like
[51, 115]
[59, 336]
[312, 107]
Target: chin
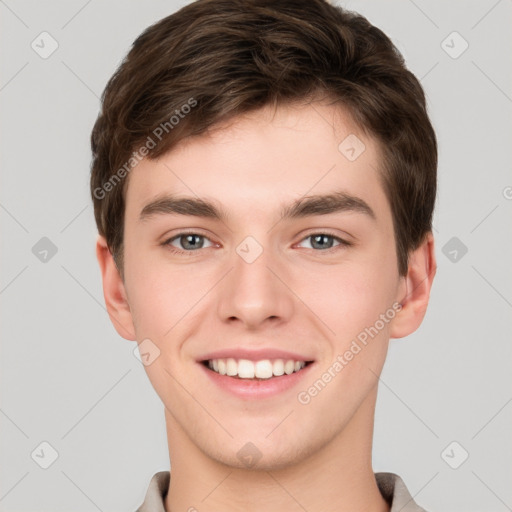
[258, 452]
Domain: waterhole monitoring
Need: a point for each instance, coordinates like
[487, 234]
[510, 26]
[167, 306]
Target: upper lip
[254, 355]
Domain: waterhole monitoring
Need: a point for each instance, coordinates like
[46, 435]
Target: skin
[314, 456]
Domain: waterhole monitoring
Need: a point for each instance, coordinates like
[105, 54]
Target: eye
[324, 241]
[188, 242]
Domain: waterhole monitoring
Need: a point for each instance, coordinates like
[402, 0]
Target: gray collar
[391, 487]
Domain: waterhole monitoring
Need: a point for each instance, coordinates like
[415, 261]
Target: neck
[338, 477]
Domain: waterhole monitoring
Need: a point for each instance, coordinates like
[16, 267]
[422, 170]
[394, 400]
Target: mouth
[264, 369]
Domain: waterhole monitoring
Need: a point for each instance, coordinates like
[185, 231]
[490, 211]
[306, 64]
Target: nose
[255, 292]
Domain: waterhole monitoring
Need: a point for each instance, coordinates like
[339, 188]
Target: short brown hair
[223, 58]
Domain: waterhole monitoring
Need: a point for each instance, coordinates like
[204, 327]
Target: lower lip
[254, 389]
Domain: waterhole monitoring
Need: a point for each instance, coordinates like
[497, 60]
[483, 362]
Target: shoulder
[155, 495]
[395, 492]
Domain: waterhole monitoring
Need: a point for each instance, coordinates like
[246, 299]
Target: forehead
[257, 162]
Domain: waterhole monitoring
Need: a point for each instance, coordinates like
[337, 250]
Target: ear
[114, 292]
[414, 291]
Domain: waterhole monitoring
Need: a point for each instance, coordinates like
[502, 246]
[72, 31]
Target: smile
[262, 369]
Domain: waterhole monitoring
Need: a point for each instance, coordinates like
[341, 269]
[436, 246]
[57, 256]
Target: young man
[263, 178]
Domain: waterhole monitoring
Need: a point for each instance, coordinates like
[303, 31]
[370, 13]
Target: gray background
[68, 379]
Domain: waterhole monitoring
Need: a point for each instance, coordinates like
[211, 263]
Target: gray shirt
[391, 487]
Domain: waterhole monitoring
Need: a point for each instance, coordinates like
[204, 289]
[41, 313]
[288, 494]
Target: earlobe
[415, 289]
[114, 292]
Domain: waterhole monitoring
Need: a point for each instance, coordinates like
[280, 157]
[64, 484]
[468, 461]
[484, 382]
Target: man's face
[255, 286]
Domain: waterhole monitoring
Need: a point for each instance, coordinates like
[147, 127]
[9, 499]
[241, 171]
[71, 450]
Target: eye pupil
[189, 244]
[322, 240]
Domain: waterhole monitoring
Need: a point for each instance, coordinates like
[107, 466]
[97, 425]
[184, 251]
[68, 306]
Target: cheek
[156, 304]
[357, 306]
[150, 294]
[350, 298]
[162, 294]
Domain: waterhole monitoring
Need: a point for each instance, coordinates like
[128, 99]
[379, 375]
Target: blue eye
[189, 242]
[324, 241]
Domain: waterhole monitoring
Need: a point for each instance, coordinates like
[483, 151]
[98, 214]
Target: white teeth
[246, 369]
[289, 366]
[263, 369]
[278, 367]
[231, 367]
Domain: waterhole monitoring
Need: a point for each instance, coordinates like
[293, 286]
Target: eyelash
[342, 243]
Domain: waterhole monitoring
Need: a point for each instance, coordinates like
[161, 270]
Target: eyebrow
[305, 206]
